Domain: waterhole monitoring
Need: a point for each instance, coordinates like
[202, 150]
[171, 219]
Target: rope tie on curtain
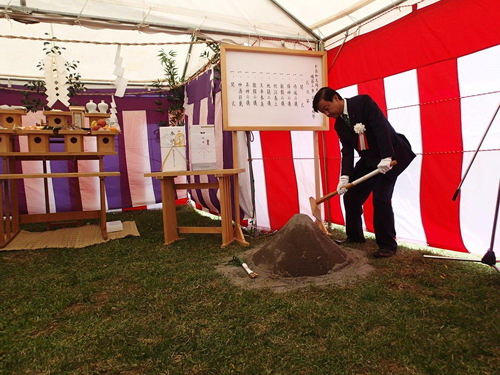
[5, 11]
[142, 24]
[77, 21]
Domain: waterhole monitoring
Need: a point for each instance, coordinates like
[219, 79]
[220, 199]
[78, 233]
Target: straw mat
[78, 237]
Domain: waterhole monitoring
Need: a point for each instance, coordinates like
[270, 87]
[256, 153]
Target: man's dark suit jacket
[382, 139]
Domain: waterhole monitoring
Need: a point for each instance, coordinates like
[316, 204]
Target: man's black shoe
[382, 253]
[348, 241]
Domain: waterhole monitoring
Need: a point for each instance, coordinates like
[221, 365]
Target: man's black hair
[325, 93]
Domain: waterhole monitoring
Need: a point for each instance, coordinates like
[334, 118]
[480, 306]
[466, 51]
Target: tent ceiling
[275, 23]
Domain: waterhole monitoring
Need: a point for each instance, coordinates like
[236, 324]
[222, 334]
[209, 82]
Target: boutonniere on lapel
[360, 129]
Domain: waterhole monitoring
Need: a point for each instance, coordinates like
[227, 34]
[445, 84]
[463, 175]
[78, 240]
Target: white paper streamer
[54, 67]
[121, 85]
[120, 82]
[113, 110]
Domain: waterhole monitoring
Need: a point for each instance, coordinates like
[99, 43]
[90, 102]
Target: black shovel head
[489, 258]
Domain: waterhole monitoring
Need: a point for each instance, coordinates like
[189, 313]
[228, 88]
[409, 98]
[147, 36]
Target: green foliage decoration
[171, 89]
[170, 100]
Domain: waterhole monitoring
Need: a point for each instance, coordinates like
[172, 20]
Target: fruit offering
[98, 124]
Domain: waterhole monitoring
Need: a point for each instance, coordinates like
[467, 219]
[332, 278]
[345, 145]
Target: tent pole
[345, 13]
[364, 19]
[321, 47]
[188, 57]
[292, 17]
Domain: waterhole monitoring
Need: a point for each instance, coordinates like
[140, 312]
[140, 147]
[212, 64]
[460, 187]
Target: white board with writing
[271, 89]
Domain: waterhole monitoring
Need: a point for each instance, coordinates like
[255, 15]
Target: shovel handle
[328, 196]
[354, 183]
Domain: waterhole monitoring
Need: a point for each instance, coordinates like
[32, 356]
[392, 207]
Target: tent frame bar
[394, 4]
[20, 14]
[27, 14]
[297, 21]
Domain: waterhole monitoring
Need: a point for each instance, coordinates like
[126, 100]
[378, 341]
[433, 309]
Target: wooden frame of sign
[271, 89]
[256, 68]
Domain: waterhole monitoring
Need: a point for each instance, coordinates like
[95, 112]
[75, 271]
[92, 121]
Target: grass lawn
[135, 306]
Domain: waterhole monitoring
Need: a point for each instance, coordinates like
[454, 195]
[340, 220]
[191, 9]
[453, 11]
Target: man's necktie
[346, 119]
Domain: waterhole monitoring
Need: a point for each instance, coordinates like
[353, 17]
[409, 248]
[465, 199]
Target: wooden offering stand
[11, 118]
[57, 119]
[94, 116]
[105, 138]
[39, 150]
[6, 140]
[39, 139]
[73, 139]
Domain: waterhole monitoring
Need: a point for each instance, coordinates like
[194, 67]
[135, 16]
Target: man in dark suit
[362, 126]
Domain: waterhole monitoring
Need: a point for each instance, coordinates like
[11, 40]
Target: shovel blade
[315, 210]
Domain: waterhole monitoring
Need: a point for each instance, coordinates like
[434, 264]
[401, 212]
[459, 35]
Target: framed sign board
[271, 89]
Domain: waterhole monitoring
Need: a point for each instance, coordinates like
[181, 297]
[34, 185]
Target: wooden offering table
[11, 219]
[168, 187]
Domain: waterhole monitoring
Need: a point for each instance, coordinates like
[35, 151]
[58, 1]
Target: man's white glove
[385, 165]
[344, 180]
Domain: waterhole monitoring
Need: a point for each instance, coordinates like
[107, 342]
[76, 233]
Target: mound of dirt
[300, 248]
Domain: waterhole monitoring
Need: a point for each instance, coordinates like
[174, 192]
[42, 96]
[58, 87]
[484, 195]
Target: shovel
[316, 212]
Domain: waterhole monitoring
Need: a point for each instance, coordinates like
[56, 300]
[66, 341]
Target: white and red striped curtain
[436, 74]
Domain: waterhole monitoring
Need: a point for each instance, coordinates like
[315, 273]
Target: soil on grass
[298, 255]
